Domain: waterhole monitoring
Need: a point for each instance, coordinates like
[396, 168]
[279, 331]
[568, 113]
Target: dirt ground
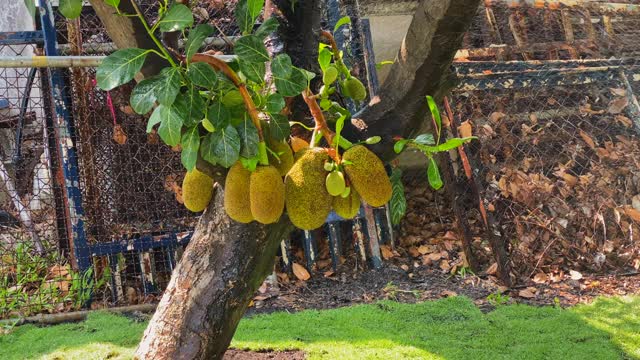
[233, 354]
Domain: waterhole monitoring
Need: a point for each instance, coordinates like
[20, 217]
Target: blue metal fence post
[67, 150]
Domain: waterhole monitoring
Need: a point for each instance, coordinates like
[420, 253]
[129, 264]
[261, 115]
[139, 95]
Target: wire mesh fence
[555, 162]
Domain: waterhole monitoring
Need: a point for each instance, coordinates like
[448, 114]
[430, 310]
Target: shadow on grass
[451, 328]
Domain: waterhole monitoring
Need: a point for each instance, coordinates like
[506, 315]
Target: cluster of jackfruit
[312, 190]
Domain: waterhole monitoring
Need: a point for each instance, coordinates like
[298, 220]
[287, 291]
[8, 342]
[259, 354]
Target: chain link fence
[550, 92]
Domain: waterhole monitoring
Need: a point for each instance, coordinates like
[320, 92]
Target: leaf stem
[153, 37]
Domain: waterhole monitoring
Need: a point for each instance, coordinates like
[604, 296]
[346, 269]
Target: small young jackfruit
[335, 182]
[307, 199]
[197, 190]
[353, 88]
[330, 75]
[347, 208]
[367, 175]
[298, 144]
[284, 161]
[236, 194]
[266, 191]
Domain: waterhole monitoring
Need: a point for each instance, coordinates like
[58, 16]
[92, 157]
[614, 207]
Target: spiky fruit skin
[308, 202]
[347, 208]
[298, 144]
[197, 190]
[236, 194]
[368, 176]
[266, 192]
[354, 88]
[284, 162]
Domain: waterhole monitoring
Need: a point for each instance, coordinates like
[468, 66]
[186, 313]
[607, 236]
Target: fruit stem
[262, 153]
[336, 52]
[222, 66]
[321, 122]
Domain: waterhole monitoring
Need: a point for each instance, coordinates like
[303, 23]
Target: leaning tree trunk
[222, 267]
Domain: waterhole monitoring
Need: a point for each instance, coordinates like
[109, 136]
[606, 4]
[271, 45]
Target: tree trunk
[210, 289]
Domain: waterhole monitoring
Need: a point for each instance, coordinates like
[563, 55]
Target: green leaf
[169, 86]
[425, 139]
[143, 95]
[279, 127]
[120, 67]
[339, 127]
[399, 145]
[155, 118]
[435, 113]
[31, 7]
[221, 147]
[196, 38]
[218, 115]
[343, 21]
[170, 129]
[254, 71]
[398, 203]
[190, 145]
[113, 3]
[267, 27]
[275, 103]
[248, 139]
[70, 9]
[247, 11]
[202, 74]
[381, 64]
[309, 75]
[433, 174]
[293, 85]
[251, 48]
[191, 105]
[179, 17]
[281, 66]
[324, 58]
[454, 143]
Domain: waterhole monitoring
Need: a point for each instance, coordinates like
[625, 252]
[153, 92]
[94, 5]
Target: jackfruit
[308, 202]
[335, 183]
[298, 144]
[330, 75]
[347, 207]
[284, 161]
[266, 192]
[353, 88]
[197, 190]
[367, 175]
[236, 194]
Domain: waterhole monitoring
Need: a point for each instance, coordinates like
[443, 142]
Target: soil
[234, 354]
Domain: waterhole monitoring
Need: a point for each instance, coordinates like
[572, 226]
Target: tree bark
[422, 67]
[211, 287]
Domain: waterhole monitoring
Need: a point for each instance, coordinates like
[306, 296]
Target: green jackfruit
[285, 160]
[236, 194]
[266, 192]
[347, 208]
[353, 88]
[335, 183]
[307, 199]
[197, 190]
[367, 175]
[330, 75]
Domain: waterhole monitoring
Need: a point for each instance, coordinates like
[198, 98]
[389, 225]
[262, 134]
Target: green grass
[451, 328]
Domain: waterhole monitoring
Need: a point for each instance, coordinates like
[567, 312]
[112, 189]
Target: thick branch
[422, 67]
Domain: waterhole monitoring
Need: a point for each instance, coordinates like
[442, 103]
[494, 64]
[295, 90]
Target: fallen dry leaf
[119, 135]
[386, 251]
[540, 278]
[587, 139]
[632, 213]
[300, 272]
[617, 105]
[404, 267]
[575, 275]
[465, 129]
[496, 116]
[448, 293]
[618, 91]
[527, 293]
[493, 269]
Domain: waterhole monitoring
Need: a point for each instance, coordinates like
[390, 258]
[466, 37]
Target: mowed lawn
[451, 328]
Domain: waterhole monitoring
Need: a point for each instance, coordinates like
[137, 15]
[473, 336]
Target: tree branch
[422, 67]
